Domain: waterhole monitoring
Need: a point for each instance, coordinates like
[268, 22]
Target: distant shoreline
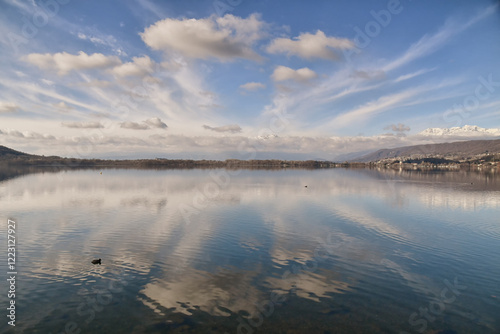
[406, 158]
[406, 164]
[169, 163]
[15, 167]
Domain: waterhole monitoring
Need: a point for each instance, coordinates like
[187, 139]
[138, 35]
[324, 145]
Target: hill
[10, 157]
[474, 151]
[455, 150]
[8, 153]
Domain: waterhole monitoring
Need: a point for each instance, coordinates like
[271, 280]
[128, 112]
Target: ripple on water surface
[354, 252]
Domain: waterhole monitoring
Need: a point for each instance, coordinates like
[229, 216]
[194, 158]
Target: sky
[243, 79]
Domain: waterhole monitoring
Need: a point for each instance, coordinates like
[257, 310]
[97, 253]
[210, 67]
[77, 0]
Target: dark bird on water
[96, 261]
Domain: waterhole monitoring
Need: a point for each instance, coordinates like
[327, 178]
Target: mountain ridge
[452, 149]
[466, 130]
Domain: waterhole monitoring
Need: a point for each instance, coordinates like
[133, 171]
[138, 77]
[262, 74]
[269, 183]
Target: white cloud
[282, 73]
[253, 86]
[233, 128]
[134, 126]
[399, 128]
[308, 46]
[247, 30]
[224, 38]
[280, 147]
[139, 66]
[82, 125]
[27, 135]
[64, 62]
[154, 122]
[8, 107]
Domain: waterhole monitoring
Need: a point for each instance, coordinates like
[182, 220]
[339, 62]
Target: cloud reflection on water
[237, 248]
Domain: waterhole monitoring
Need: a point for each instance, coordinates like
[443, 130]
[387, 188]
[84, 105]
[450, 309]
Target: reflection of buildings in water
[466, 201]
[151, 187]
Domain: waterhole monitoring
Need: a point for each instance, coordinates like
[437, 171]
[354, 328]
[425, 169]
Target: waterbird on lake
[96, 261]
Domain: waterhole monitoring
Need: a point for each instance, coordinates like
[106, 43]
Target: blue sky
[241, 79]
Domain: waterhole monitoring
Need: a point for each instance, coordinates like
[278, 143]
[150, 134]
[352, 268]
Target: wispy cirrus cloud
[62, 107]
[30, 91]
[430, 43]
[413, 74]
[369, 75]
[340, 85]
[99, 39]
[382, 104]
[183, 85]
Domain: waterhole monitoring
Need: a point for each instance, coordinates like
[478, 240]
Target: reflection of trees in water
[474, 179]
[10, 172]
[14, 169]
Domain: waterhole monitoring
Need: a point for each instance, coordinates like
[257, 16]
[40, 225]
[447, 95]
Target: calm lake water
[253, 251]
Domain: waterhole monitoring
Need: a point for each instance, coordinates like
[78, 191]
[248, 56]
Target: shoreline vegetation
[490, 161]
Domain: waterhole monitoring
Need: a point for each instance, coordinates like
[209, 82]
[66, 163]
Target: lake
[253, 251]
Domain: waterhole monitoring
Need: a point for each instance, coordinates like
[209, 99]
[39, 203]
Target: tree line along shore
[410, 160]
[487, 161]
